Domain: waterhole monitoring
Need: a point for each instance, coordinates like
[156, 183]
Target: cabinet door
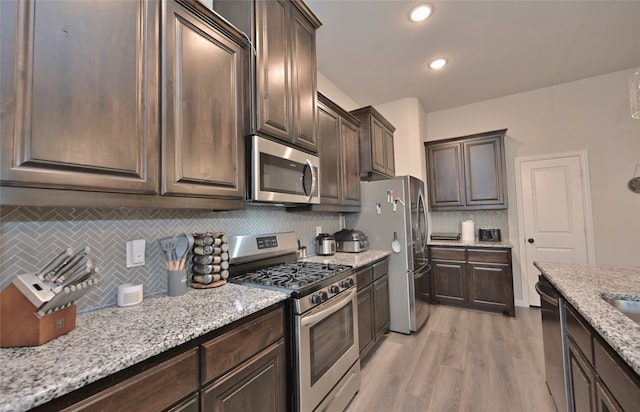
[330, 155]
[483, 162]
[390, 165]
[446, 177]
[489, 287]
[378, 144]
[79, 95]
[605, 402]
[449, 282]
[582, 379]
[203, 145]
[382, 317]
[273, 76]
[257, 385]
[350, 164]
[366, 329]
[303, 80]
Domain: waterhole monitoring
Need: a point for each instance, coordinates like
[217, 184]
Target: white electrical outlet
[318, 230]
[135, 252]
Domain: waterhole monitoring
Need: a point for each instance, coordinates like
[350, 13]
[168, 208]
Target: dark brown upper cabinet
[467, 173]
[80, 95]
[376, 145]
[284, 73]
[118, 104]
[339, 153]
[204, 116]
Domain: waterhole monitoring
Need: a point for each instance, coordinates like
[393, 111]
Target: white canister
[468, 231]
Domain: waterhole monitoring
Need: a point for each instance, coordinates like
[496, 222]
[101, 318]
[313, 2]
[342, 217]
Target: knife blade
[54, 263]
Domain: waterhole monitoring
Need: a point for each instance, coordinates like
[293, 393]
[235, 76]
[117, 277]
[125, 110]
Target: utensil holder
[176, 282]
[20, 324]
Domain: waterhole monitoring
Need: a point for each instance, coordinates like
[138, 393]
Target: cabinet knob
[530, 240]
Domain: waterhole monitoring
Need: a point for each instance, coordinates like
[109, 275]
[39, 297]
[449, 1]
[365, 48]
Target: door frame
[586, 201]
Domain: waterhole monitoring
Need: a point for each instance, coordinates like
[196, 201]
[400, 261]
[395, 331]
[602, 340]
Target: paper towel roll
[468, 231]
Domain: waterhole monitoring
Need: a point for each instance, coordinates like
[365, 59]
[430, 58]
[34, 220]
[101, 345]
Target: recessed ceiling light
[438, 64]
[421, 12]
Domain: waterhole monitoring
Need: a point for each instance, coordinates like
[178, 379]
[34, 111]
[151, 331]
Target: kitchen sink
[629, 307]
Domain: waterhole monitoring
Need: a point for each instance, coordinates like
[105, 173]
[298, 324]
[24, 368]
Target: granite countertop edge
[474, 243]
[109, 340]
[583, 285]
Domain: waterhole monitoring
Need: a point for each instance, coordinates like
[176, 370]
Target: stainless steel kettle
[325, 244]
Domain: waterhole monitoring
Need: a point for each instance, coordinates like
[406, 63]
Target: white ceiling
[372, 52]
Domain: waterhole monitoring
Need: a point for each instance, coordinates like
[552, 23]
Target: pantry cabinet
[373, 305]
[467, 173]
[284, 73]
[339, 157]
[473, 277]
[162, 125]
[376, 145]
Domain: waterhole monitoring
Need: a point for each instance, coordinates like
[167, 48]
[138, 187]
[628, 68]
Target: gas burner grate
[293, 276]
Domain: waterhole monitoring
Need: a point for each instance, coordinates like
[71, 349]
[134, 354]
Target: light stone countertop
[350, 259]
[475, 243]
[109, 340]
[583, 287]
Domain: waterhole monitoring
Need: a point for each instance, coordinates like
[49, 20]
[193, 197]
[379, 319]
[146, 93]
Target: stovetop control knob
[334, 289]
[323, 295]
[316, 299]
[347, 283]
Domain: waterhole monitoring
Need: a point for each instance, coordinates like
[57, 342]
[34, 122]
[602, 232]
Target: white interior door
[553, 214]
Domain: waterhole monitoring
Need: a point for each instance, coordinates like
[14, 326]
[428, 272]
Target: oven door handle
[324, 311]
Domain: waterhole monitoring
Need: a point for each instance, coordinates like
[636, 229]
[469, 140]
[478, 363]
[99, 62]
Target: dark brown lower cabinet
[374, 314]
[241, 367]
[600, 381]
[477, 278]
[257, 385]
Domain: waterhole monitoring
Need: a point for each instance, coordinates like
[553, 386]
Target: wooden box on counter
[20, 324]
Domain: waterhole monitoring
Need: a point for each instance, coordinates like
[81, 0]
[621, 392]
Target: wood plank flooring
[462, 360]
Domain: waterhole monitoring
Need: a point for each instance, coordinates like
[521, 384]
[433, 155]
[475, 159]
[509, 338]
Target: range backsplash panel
[30, 237]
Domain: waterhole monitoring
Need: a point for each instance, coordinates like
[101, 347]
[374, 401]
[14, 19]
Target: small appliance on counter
[351, 241]
[489, 235]
[325, 244]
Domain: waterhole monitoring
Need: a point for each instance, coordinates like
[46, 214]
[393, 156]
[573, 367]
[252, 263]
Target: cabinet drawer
[152, 390]
[488, 256]
[624, 388]
[380, 269]
[579, 333]
[364, 277]
[443, 253]
[229, 350]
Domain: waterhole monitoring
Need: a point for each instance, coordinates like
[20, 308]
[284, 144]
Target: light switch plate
[135, 252]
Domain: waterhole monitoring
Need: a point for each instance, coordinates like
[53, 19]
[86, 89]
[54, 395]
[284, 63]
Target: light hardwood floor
[462, 360]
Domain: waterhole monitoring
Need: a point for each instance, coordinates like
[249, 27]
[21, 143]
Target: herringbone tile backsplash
[30, 237]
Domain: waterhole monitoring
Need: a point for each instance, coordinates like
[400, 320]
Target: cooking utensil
[168, 245]
[191, 241]
[180, 252]
[395, 244]
[55, 263]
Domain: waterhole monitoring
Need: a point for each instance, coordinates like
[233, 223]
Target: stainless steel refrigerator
[395, 209]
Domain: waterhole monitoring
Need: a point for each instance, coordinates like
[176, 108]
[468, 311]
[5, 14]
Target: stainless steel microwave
[281, 174]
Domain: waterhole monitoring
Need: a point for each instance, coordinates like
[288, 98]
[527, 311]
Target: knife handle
[54, 263]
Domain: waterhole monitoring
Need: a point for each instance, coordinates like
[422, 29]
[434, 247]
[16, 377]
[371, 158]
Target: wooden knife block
[20, 324]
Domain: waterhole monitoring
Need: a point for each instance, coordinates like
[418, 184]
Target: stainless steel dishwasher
[554, 319]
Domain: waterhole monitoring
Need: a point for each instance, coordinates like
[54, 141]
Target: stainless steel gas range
[322, 317]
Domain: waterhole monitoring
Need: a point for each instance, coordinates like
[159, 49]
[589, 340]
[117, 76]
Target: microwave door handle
[314, 179]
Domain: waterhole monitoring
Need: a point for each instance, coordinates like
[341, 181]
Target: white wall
[336, 95]
[591, 114]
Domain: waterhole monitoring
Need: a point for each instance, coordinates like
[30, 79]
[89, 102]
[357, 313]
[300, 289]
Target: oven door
[328, 347]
